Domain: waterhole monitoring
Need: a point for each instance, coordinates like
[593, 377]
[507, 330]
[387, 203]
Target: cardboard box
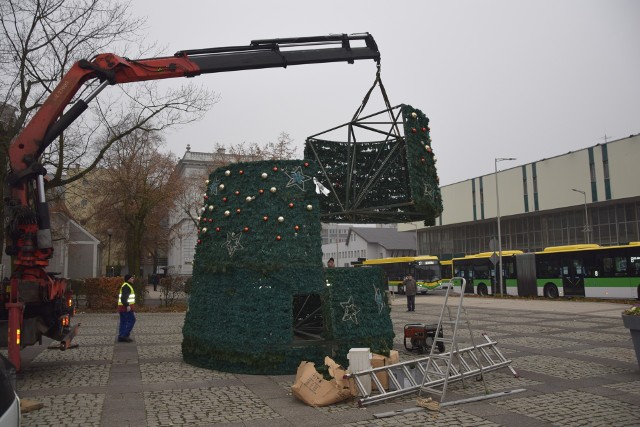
[377, 361]
[311, 388]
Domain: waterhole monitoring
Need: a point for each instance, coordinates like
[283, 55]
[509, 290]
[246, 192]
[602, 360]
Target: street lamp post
[415, 226]
[109, 233]
[587, 229]
[499, 159]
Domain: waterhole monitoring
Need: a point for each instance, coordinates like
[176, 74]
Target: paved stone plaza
[575, 361]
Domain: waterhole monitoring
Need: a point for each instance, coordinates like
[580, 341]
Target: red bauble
[206, 197]
[245, 229]
[210, 219]
[290, 205]
[306, 164]
[297, 227]
[261, 191]
[218, 229]
[423, 160]
[237, 193]
[275, 169]
[265, 218]
[224, 199]
[413, 130]
[241, 172]
[278, 237]
[238, 211]
[199, 241]
[424, 129]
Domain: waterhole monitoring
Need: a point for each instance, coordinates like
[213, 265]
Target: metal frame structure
[351, 207]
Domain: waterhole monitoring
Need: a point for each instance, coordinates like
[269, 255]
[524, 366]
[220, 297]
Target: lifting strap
[365, 100]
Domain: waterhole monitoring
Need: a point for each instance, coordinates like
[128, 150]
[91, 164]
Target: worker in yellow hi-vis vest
[126, 304]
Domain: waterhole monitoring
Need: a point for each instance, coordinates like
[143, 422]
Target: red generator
[421, 337]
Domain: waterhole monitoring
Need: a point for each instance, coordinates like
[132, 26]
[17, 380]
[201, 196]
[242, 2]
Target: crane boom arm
[49, 123]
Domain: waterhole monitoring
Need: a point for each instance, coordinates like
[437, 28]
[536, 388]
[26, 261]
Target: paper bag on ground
[314, 390]
[377, 361]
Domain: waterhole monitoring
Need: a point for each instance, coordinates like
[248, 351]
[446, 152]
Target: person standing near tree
[410, 290]
[126, 304]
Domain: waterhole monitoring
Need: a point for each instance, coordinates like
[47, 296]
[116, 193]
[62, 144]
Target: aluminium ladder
[441, 367]
[425, 374]
[407, 377]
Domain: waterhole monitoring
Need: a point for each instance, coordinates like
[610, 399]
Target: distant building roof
[210, 161]
[389, 238]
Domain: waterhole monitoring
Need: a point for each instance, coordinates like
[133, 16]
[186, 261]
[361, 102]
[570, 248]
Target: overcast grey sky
[501, 78]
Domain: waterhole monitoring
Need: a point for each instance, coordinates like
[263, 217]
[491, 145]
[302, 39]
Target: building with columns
[195, 167]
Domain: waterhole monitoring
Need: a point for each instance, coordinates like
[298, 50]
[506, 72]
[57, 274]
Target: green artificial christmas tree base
[261, 302]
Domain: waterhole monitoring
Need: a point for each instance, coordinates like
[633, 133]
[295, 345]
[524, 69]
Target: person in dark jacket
[410, 290]
[126, 305]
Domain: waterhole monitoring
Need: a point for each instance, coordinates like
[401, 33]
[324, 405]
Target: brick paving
[576, 364]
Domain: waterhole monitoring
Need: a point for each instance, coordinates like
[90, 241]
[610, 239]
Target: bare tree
[40, 40]
[141, 190]
[189, 200]
[280, 150]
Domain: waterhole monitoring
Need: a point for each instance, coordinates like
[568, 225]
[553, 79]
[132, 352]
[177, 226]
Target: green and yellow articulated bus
[585, 270]
[424, 268]
[590, 270]
[480, 271]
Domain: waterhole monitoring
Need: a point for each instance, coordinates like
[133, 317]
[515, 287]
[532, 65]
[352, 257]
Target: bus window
[509, 270]
[482, 272]
[634, 266]
[621, 266]
[427, 272]
[445, 269]
[548, 268]
[607, 267]
[580, 270]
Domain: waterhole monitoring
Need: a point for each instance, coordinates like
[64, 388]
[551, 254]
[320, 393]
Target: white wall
[457, 203]
[556, 178]
[625, 171]
[182, 238]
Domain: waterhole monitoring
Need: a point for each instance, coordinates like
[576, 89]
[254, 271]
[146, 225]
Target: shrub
[173, 288]
[102, 292]
[632, 311]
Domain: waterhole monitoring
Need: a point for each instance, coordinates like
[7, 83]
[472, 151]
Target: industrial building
[586, 196]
